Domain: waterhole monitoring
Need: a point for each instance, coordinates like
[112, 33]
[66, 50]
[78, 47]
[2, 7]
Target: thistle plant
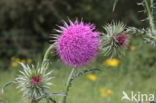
[77, 44]
[114, 39]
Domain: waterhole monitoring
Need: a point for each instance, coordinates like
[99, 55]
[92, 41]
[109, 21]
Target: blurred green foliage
[26, 24]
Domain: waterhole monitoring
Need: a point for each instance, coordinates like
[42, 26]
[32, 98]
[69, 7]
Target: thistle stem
[150, 15]
[70, 76]
[68, 84]
[47, 52]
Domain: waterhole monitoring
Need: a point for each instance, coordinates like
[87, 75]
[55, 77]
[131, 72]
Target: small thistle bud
[33, 81]
[78, 43]
[115, 39]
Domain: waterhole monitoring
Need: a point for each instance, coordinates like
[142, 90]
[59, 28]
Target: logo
[137, 96]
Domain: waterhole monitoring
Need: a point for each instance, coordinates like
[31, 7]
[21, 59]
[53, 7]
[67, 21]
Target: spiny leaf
[136, 31]
[6, 85]
[76, 75]
[2, 101]
[52, 100]
[57, 94]
[84, 72]
[114, 5]
[50, 95]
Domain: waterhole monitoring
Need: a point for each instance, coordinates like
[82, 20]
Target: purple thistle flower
[78, 43]
[122, 39]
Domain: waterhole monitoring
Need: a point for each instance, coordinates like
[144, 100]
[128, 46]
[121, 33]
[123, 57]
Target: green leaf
[6, 85]
[56, 94]
[52, 100]
[49, 95]
[81, 73]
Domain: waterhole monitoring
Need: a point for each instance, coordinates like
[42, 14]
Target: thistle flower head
[115, 39]
[34, 81]
[78, 43]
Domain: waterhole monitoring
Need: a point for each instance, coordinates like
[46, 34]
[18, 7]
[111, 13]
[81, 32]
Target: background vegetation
[26, 24]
